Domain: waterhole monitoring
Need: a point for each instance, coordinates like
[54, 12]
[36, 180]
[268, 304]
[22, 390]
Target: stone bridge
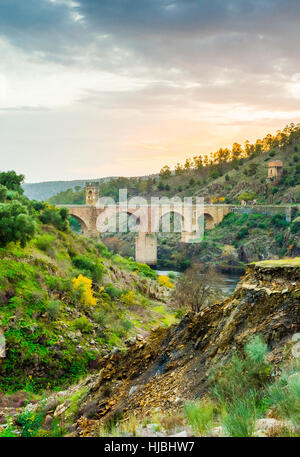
[147, 220]
[94, 221]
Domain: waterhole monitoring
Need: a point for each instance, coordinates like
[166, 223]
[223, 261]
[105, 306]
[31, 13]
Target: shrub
[142, 268]
[256, 349]
[83, 324]
[3, 193]
[200, 415]
[128, 298]
[88, 267]
[278, 220]
[172, 275]
[83, 285]
[242, 233]
[279, 239]
[284, 395]
[12, 181]
[165, 281]
[296, 158]
[241, 416]
[102, 249]
[30, 421]
[247, 196]
[242, 373]
[295, 227]
[113, 291]
[55, 216]
[44, 242]
[53, 309]
[214, 174]
[15, 223]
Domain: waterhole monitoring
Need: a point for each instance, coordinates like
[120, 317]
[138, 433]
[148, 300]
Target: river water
[227, 284]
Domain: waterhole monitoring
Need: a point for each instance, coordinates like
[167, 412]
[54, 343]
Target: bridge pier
[146, 248]
[189, 237]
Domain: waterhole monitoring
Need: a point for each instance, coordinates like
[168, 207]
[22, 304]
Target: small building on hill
[275, 168]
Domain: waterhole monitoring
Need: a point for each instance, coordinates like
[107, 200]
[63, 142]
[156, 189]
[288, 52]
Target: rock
[132, 390]
[268, 427]
[60, 409]
[48, 422]
[296, 337]
[182, 434]
[217, 432]
[153, 427]
[296, 350]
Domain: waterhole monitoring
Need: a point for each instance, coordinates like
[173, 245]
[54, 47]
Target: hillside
[65, 300]
[229, 370]
[56, 332]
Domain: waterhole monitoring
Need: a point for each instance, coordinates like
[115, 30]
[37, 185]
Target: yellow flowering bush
[84, 286]
[128, 298]
[165, 281]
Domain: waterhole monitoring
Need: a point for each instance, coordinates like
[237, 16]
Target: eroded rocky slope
[172, 365]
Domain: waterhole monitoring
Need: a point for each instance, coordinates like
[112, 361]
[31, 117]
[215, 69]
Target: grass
[240, 417]
[200, 415]
[289, 262]
[243, 391]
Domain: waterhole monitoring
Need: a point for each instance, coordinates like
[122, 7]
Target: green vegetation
[200, 416]
[59, 308]
[242, 391]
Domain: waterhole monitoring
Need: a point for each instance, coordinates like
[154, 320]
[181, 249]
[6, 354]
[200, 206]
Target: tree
[12, 181]
[3, 193]
[214, 174]
[178, 169]
[57, 217]
[165, 172]
[247, 196]
[188, 164]
[197, 287]
[252, 169]
[237, 151]
[15, 223]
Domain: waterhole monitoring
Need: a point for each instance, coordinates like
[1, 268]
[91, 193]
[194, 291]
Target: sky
[98, 88]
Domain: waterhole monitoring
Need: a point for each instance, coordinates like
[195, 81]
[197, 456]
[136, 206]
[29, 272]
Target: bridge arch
[171, 221]
[209, 221]
[82, 223]
[110, 220]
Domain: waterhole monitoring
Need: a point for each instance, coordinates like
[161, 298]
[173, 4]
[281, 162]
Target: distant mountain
[45, 190]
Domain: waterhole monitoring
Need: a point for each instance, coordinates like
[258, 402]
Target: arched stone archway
[209, 221]
[82, 223]
[115, 219]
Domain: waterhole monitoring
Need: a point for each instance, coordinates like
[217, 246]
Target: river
[228, 281]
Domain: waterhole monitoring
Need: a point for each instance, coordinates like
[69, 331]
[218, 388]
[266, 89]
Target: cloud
[138, 75]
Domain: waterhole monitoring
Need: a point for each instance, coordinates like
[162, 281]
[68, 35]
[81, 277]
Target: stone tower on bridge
[91, 193]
